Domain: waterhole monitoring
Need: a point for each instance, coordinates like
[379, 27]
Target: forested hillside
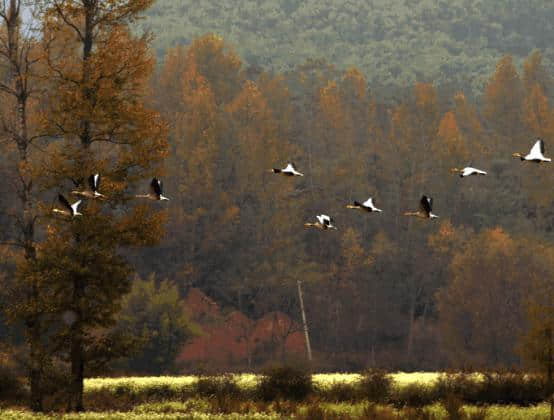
[385, 289]
[138, 284]
[394, 42]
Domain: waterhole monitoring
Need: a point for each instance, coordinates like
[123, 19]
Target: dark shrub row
[493, 388]
[291, 384]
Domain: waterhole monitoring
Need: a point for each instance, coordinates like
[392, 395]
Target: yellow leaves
[493, 275]
[448, 127]
[382, 245]
[230, 215]
[503, 95]
[534, 72]
[492, 246]
[256, 135]
[505, 73]
[354, 84]
[537, 112]
[448, 238]
[331, 105]
[446, 230]
[453, 143]
[218, 63]
[460, 100]
[499, 237]
[426, 97]
[354, 255]
[249, 106]
[197, 127]
[142, 226]
[466, 116]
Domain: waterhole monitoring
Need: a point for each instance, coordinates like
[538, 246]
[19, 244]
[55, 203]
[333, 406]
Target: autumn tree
[454, 145]
[536, 344]
[19, 91]
[99, 74]
[503, 98]
[538, 114]
[482, 309]
[351, 274]
[414, 131]
[535, 73]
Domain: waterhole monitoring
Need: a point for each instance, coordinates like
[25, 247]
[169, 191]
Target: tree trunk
[304, 322]
[77, 344]
[35, 370]
[17, 56]
[410, 341]
[77, 349]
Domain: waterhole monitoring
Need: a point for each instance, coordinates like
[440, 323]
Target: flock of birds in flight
[425, 211]
[72, 210]
[323, 221]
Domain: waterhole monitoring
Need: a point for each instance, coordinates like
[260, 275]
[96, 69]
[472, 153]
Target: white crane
[535, 155]
[324, 222]
[468, 171]
[365, 206]
[289, 170]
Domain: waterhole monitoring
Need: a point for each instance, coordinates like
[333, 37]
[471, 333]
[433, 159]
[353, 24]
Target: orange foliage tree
[98, 75]
[503, 98]
[482, 309]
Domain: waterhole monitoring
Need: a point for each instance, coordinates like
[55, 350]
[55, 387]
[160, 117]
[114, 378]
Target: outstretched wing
[538, 148]
[75, 206]
[327, 220]
[426, 204]
[156, 186]
[93, 182]
[289, 168]
[63, 201]
[369, 202]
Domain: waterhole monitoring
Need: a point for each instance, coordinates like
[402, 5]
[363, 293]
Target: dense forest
[383, 289]
[393, 42]
[110, 290]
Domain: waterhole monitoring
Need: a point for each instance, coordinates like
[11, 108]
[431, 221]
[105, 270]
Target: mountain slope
[392, 41]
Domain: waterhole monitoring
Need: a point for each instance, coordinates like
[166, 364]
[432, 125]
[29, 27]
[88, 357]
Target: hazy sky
[26, 15]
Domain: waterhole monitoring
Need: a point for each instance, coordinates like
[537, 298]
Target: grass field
[195, 410]
[245, 381]
[178, 398]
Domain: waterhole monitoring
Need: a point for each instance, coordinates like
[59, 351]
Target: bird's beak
[454, 170]
[516, 155]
